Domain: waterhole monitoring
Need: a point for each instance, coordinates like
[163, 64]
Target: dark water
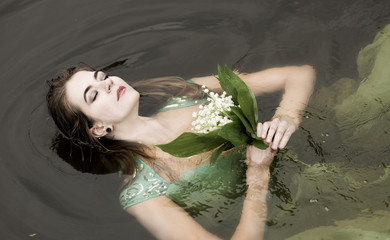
[44, 198]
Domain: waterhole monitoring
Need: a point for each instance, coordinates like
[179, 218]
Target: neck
[144, 130]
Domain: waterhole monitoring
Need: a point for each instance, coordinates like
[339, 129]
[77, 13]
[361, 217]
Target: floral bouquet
[226, 121]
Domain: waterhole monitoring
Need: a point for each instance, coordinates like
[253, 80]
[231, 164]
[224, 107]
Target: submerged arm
[166, 220]
[254, 212]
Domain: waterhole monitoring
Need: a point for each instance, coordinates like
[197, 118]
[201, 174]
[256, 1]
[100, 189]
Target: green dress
[334, 180]
[212, 195]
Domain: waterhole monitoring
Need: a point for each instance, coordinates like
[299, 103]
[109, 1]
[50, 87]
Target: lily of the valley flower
[214, 114]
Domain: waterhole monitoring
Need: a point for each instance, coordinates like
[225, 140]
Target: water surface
[43, 197]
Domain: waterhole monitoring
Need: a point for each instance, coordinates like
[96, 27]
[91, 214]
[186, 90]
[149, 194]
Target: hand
[258, 157]
[278, 131]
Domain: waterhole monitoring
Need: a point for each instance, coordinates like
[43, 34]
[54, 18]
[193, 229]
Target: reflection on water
[44, 198]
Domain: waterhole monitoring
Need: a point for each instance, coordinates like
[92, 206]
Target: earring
[108, 130]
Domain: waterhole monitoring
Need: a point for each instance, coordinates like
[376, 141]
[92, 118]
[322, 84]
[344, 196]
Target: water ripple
[151, 28]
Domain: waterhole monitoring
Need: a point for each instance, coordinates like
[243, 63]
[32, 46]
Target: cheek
[100, 112]
[130, 98]
[114, 113]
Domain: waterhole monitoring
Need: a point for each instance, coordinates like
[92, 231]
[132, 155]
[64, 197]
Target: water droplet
[326, 209]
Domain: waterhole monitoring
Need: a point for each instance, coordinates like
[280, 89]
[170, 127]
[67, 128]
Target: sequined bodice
[146, 184]
[181, 102]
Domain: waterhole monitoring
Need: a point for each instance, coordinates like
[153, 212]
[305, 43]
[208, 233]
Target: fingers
[278, 137]
[277, 133]
[285, 139]
[269, 129]
[264, 130]
[271, 132]
[259, 129]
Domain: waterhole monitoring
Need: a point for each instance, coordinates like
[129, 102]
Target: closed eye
[94, 97]
[96, 93]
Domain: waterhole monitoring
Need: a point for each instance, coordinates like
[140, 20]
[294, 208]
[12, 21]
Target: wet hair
[76, 145]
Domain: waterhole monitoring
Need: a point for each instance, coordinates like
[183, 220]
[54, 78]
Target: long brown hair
[76, 145]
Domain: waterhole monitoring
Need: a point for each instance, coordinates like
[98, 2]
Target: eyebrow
[95, 74]
[89, 87]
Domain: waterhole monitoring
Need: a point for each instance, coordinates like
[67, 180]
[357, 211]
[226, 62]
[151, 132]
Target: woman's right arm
[166, 220]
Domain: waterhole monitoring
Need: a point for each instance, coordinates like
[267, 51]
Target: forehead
[77, 84]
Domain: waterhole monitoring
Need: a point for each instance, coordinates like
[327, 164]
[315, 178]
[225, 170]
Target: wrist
[294, 115]
[258, 167]
[260, 160]
[257, 176]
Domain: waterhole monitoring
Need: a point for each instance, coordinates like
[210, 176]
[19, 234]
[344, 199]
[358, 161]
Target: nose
[107, 85]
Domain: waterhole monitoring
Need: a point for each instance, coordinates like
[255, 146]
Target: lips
[120, 92]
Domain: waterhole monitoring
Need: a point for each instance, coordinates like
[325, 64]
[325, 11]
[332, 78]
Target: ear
[98, 130]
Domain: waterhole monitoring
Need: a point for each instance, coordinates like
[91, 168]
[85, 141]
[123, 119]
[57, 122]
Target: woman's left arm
[298, 84]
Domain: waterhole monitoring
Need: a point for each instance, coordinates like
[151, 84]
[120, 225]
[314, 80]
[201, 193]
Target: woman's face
[105, 99]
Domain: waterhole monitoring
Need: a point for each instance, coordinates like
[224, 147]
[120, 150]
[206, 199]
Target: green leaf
[227, 85]
[242, 95]
[189, 144]
[216, 153]
[238, 112]
[259, 143]
[234, 132]
[247, 107]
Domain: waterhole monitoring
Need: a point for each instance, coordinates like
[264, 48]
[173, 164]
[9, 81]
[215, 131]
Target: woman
[123, 124]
